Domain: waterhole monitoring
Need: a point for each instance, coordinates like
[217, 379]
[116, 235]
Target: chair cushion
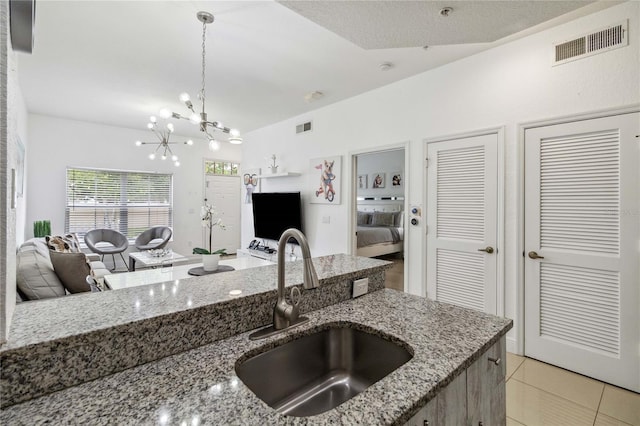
[35, 278]
[72, 270]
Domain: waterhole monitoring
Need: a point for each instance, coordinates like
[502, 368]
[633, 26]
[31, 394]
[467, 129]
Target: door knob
[487, 249]
[534, 255]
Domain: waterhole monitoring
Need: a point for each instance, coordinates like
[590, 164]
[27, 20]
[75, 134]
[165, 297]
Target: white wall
[389, 163]
[56, 143]
[505, 86]
[13, 126]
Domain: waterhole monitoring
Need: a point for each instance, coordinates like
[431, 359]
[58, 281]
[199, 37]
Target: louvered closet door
[462, 182]
[582, 218]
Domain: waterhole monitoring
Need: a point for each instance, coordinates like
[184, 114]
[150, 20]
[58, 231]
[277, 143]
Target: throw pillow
[56, 243]
[382, 219]
[72, 270]
[63, 244]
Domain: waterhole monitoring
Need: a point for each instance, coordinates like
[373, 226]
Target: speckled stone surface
[201, 386]
[57, 343]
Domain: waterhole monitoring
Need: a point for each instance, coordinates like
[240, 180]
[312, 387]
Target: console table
[271, 257]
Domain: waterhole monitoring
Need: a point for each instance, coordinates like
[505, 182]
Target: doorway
[221, 189]
[464, 242]
[581, 230]
[378, 206]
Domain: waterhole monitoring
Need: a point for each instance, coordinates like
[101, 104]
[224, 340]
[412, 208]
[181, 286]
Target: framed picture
[250, 183]
[377, 180]
[326, 177]
[362, 181]
[396, 179]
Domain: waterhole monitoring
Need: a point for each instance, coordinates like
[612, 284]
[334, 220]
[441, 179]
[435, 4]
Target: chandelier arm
[158, 134]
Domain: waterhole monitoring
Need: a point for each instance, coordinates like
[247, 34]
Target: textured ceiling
[117, 62]
[395, 24]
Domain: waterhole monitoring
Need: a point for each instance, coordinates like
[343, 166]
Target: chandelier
[163, 149]
[206, 126]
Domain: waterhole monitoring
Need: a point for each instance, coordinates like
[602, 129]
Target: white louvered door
[582, 217]
[223, 193]
[462, 189]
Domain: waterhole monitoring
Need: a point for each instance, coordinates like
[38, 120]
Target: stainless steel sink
[318, 372]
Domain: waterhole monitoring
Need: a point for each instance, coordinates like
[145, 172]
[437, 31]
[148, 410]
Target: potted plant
[210, 259]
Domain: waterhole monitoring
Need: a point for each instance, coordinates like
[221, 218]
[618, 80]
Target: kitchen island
[199, 385]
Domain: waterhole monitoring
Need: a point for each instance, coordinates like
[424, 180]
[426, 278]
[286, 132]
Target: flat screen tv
[274, 213]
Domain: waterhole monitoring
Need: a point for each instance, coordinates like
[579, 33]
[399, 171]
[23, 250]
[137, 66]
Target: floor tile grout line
[516, 369]
[557, 396]
[599, 404]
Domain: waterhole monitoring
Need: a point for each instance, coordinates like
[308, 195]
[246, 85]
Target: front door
[462, 200]
[582, 236]
[223, 193]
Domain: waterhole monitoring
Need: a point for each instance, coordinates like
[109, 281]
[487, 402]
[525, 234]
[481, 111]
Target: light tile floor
[541, 394]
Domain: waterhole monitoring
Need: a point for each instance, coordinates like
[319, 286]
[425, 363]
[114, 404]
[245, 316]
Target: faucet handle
[295, 296]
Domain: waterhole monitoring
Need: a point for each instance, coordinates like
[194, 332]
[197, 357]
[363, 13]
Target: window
[129, 202]
[220, 167]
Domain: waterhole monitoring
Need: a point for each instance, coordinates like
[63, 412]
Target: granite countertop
[62, 317]
[200, 386]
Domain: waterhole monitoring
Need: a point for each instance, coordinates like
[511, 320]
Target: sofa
[37, 278]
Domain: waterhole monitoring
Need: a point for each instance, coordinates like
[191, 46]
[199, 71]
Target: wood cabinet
[476, 397]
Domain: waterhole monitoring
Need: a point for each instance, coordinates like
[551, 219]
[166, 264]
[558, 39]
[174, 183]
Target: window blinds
[129, 202]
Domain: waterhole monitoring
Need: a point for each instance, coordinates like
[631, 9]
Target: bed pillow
[382, 219]
[398, 219]
[364, 218]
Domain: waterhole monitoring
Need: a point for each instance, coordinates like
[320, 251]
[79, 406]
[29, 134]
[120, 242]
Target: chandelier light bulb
[174, 158]
[153, 119]
[189, 142]
[152, 156]
[164, 157]
[184, 97]
[220, 125]
[170, 127]
[164, 113]
[177, 163]
[214, 145]
[138, 143]
[234, 132]
[149, 125]
[195, 118]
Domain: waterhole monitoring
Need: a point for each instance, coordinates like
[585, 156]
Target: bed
[380, 229]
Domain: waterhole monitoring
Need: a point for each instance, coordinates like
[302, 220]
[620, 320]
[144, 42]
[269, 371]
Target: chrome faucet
[287, 314]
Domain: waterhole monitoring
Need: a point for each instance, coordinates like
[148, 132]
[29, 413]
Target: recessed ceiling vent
[609, 38]
[304, 127]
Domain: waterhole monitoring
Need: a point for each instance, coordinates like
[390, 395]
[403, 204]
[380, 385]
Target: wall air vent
[612, 37]
[304, 127]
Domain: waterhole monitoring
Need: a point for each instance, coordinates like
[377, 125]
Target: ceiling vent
[304, 127]
[609, 38]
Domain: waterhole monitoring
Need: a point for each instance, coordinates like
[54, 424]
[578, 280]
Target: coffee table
[145, 259]
[172, 273]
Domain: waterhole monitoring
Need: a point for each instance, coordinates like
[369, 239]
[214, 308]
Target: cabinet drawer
[491, 365]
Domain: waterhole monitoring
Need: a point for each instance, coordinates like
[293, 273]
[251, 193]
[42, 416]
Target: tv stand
[260, 254]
